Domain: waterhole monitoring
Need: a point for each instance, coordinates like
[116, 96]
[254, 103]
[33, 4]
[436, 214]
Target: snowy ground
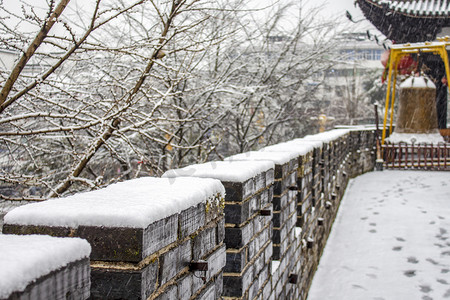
[390, 240]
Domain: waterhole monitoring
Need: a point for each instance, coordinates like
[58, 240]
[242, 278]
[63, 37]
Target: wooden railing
[417, 156]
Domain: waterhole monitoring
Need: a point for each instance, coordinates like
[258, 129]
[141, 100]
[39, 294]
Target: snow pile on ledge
[294, 146]
[417, 82]
[357, 127]
[278, 158]
[230, 171]
[23, 259]
[328, 136]
[135, 203]
[415, 137]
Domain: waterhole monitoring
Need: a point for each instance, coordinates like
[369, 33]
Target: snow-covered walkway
[390, 240]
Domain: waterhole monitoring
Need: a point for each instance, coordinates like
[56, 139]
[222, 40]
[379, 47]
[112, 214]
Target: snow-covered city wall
[146, 235]
[250, 227]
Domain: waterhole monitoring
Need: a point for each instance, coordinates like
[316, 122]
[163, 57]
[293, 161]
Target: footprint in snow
[364, 218]
[441, 218]
[427, 298]
[372, 231]
[373, 276]
[356, 286]
[397, 248]
[400, 239]
[412, 260]
[447, 294]
[446, 253]
[439, 245]
[424, 212]
[373, 224]
[432, 222]
[410, 273]
[442, 231]
[425, 288]
[376, 213]
[442, 281]
[430, 260]
[445, 271]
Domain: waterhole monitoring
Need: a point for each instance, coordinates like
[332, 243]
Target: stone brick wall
[162, 260]
[263, 242]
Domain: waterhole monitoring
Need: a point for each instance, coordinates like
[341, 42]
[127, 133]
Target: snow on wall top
[296, 147]
[311, 143]
[434, 138]
[231, 171]
[135, 203]
[327, 136]
[417, 82]
[279, 158]
[25, 258]
[357, 127]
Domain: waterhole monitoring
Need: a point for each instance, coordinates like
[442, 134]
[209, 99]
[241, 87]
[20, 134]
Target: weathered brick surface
[69, 282]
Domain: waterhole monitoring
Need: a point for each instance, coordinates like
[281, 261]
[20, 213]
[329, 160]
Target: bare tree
[101, 97]
[122, 89]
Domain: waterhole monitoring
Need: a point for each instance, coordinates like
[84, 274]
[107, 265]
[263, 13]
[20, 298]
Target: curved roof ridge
[416, 7]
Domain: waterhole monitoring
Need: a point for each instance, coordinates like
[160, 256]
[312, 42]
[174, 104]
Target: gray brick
[168, 266]
[204, 242]
[238, 191]
[184, 255]
[236, 261]
[264, 236]
[253, 291]
[197, 282]
[265, 196]
[260, 181]
[259, 263]
[270, 177]
[219, 285]
[160, 234]
[267, 290]
[237, 213]
[220, 231]
[239, 236]
[255, 204]
[268, 252]
[184, 286]
[216, 262]
[170, 293]
[192, 219]
[209, 293]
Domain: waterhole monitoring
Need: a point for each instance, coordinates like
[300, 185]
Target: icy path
[390, 240]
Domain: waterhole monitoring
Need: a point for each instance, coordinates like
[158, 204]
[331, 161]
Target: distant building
[344, 96]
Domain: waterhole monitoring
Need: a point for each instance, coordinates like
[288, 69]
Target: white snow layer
[25, 258]
[417, 82]
[390, 240]
[296, 147]
[328, 136]
[278, 158]
[230, 171]
[135, 203]
[434, 138]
